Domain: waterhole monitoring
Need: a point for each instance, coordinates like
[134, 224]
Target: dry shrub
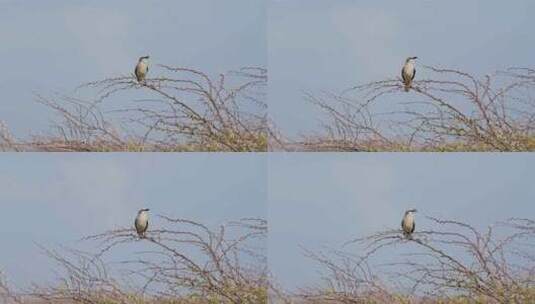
[451, 263]
[7, 295]
[451, 110]
[184, 262]
[7, 141]
[180, 110]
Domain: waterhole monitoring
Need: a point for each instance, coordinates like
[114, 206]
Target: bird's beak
[414, 57]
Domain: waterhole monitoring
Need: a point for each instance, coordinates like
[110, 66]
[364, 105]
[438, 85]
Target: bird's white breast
[409, 69]
[142, 219]
[408, 222]
[142, 67]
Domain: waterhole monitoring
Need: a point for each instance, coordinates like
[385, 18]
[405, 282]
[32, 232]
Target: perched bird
[142, 222]
[142, 68]
[408, 72]
[408, 224]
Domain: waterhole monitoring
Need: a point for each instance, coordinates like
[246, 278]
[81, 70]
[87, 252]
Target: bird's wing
[413, 226]
[413, 74]
[135, 225]
[403, 73]
[136, 71]
[402, 223]
[146, 226]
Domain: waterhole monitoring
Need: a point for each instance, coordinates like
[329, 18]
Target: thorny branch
[453, 260]
[184, 261]
[180, 109]
[450, 110]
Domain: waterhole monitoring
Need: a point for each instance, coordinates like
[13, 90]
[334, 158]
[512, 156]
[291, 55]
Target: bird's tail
[407, 87]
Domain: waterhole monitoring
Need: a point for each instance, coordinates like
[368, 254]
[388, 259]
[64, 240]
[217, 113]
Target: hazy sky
[50, 47]
[333, 45]
[56, 199]
[323, 200]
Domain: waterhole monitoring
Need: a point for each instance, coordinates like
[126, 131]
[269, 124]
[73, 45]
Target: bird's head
[143, 210]
[411, 211]
[144, 58]
[411, 58]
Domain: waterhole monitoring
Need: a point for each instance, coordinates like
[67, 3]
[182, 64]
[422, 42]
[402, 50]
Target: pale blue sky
[333, 45]
[56, 199]
[320, 200]
[53, 46]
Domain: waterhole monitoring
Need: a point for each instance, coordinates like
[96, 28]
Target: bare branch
[452, 261]
[184, 110]
[450, 111]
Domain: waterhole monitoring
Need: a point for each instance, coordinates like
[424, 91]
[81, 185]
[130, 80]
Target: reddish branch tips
[177, 109]
[448, 110]
[450, 263]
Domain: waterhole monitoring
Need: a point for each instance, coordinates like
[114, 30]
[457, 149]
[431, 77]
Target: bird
[142, 222]
[408, 72]
[408, 224]
[142, 68]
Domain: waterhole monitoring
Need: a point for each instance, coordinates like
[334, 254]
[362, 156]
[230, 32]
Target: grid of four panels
[267, 151]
